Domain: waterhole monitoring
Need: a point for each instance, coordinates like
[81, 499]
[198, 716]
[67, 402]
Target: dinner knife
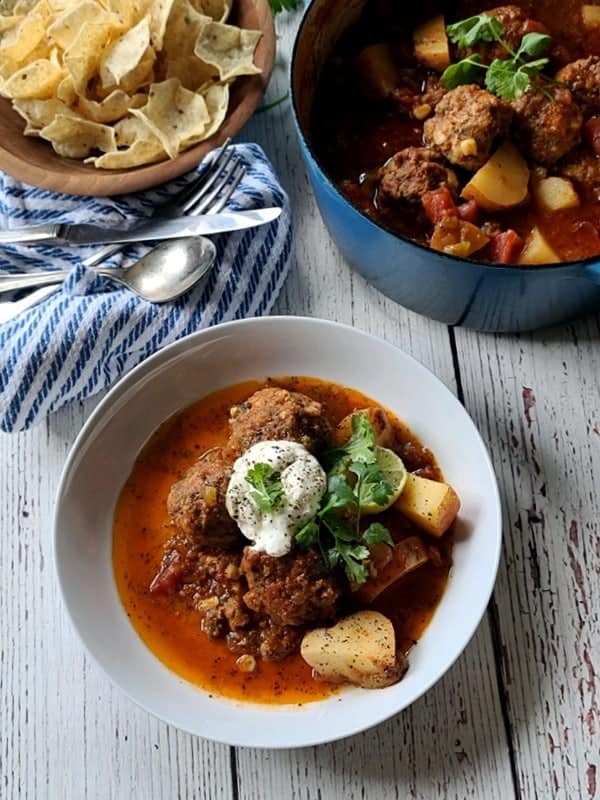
[153, 230]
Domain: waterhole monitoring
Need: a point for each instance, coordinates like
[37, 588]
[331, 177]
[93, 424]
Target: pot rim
[591, 261]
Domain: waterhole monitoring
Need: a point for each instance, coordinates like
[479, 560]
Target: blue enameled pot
[446, 288]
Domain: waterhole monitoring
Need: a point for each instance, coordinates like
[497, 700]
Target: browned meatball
[516, 24]
[583, 79]
[410, 173]
[199, 575]
[196, 503]
[583, 167]
[466, 124]
[547, 128]
[278, 415]
[291, 590]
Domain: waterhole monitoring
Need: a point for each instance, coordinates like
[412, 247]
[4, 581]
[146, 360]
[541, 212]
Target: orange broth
[167, 625]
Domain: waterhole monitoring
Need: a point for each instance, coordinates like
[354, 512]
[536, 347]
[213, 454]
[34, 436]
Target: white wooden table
[518, 716]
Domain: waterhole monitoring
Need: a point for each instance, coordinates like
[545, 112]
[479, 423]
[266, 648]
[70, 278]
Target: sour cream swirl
[304, 483]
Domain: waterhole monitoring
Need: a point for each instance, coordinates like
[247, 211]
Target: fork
[207, 195]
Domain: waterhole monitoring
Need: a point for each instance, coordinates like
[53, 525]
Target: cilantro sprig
[507, 78]
[479, 28]
[336, 528]
[268, 495]
[283, 5]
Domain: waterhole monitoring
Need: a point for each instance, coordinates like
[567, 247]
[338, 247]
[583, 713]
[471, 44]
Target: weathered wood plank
[536, 400]
[65, 732]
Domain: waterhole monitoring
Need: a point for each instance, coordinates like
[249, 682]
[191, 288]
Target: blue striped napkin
[81, 340]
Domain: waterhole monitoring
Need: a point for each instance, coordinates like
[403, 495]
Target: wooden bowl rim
[73, 177]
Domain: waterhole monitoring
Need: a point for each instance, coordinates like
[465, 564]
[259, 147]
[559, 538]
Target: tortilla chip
[183, 28]
[36, 81]
[141, 152]
[77, 138]
[159, 16]
[193, 73]
[229, 49]
[21, 40]
[125, 54]
[39, 113]
[67, 26]
[218, 10]
[83, 56]
[65, 91]
[217, 103]
[9, 22]
[173, 114]
[114, 107]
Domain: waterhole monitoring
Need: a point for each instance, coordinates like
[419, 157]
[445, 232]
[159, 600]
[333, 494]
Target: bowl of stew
[454, 152]
[267, 545]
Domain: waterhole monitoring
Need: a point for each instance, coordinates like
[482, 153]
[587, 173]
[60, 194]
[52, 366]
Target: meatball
[583, 79]
[410, 173]
[516, 24]
[583, 167]
[196, 503]
[545, 127]
[291, 590]
[466, 123]
[278, 415]
[198, 575]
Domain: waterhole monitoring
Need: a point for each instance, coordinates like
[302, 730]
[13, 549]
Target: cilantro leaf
[509, 80]
[308, 535]
[339, 494]
[480, 28]
[377, 533]
[359, 447]
[534, 44]
[466, 71]
[352, 557]
[283, 5]
[371, 487]
[269, 494]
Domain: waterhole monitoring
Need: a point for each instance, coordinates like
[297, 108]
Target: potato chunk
[591, 16]
[431, 44]
[360, 649]
[553, 194]
[537, 250]
[431, 505]
[406, 556]
[502, 182]
[377, 70]
[379, 422]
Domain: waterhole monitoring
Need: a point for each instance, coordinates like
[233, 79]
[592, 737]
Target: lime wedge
[394, 472]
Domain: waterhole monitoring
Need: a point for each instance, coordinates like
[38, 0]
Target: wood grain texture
[530, 671]
[541, 415]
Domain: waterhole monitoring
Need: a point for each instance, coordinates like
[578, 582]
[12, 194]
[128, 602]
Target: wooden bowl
[34, 161]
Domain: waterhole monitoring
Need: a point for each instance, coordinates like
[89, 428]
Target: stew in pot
[468, 127]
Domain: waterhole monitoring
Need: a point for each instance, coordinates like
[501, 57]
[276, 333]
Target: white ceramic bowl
[104, 453]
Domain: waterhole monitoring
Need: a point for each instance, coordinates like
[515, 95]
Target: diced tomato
[469, 211]
[506, 247]
[591, 132]
[438, 204]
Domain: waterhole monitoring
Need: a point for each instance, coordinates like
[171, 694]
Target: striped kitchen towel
[79, 341]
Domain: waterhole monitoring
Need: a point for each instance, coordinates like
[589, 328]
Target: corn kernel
[422, 111]
[246, 663]
[468, 147]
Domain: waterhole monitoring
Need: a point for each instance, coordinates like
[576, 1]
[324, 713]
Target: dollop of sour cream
[303, 481]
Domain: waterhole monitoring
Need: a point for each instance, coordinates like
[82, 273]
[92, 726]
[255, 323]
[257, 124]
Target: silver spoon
[167, 271]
